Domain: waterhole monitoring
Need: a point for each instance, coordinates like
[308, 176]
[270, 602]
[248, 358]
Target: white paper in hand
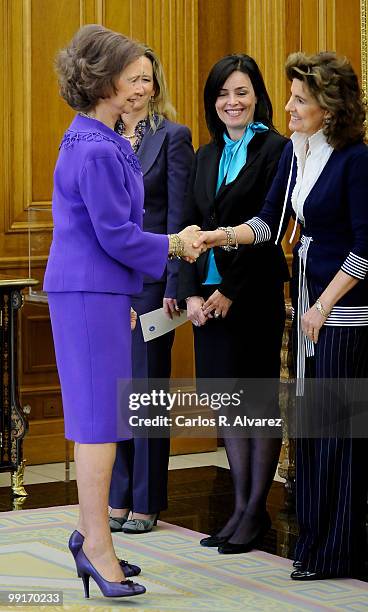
[156, 323]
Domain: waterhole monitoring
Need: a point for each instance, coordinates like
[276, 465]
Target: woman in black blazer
[230, 178]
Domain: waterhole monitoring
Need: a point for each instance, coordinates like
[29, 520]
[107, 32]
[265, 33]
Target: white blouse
[312, 154]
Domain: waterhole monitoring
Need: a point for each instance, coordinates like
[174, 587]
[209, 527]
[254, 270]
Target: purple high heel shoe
[75, 544]
[85, 569]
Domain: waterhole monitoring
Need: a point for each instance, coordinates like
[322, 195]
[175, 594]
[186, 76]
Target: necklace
[133, 139]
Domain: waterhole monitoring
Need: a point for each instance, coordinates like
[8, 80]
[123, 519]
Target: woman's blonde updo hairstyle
[333, 83]
[160, 104]
[89, 66]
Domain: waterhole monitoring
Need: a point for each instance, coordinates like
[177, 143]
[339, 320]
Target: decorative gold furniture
[364, 45]
[286, 516]
[13, 421]
[286, 467]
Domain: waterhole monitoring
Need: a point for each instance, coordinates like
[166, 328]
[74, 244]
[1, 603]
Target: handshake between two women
[192, 242]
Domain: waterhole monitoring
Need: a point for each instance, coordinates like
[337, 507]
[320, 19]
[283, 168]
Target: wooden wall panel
[331, 25]
[117, 16]
[37, 334]
[42, 102]
[265, 39]
[214, 41]
[309, 14]
[183, 353]
[39, 116]
[255, 27]
[347, 25]
[37, 357]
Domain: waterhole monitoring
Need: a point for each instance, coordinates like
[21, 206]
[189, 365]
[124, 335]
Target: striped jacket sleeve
[356, 263]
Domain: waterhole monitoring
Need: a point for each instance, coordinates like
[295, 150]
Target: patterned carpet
[180, 576]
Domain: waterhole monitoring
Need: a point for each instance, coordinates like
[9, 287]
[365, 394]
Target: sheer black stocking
[238, 452]
[263, 459]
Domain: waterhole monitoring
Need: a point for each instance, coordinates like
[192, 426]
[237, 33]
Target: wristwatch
[320, 309]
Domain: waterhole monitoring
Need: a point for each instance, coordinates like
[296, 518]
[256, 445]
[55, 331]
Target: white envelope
[156, 323]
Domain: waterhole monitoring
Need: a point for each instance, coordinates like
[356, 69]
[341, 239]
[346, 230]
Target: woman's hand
[194, 310]
[312, 321]
[243, 234]
[189, 235]
[217, 304]
[133, 319]
[171, 308]
[211, 239]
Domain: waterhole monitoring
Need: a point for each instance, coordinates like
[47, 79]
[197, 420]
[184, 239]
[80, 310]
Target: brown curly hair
[333, 83]
[89, 66]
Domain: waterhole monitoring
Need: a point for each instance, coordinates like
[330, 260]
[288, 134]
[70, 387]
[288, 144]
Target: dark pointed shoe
[235, 549]
[301, 574]
[297, 564]
[75, 544]
[125, 588]
[213, 541]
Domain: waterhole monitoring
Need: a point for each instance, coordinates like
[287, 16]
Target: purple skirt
[92, 339]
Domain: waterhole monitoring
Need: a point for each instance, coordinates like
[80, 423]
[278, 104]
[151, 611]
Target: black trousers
[331, 473]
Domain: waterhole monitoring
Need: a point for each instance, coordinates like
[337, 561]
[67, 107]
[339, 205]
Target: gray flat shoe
[139, 525]
[116, 522]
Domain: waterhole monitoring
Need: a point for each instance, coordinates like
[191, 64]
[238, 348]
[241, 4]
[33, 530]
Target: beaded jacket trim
[71, 136]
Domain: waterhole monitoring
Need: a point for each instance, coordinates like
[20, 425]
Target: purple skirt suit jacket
[97, 258]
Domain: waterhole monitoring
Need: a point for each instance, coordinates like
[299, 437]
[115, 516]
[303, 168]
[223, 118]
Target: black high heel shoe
[235, 549]
[75, 544]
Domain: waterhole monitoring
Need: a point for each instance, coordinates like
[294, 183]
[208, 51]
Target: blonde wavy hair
[333, 83]
[160, 104]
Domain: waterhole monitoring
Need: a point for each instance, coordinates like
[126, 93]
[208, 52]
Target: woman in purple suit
[97, 258]
[164, 148]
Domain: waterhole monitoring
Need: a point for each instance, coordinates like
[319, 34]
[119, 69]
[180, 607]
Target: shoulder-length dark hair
[215, 80]
[332, 82]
